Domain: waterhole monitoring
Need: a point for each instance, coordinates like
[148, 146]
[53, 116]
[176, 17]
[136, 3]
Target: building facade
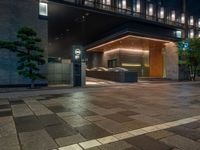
[138, 35]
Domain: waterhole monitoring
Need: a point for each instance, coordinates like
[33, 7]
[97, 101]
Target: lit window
[150, 9]
[178, 34]
[191, 22]
[162, 12]
[123, 4]
[173, 15]
[199, 23]
[191, 33]
[107, 2]
[183, 18]
[43, 9]
[138, 6]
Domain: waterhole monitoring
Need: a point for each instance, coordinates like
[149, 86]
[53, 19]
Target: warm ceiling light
[127, 50]
[128, 36]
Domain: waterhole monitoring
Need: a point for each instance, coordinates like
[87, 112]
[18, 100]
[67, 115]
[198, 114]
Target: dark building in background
[135, 34]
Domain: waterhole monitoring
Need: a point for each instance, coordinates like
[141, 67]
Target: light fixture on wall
[43, 8]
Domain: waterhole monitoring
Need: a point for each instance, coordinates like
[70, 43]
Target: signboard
[78, 63]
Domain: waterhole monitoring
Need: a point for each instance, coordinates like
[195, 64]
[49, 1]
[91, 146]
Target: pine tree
[29, 54]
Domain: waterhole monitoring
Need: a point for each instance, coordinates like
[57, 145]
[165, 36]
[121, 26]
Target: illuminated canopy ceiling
[129, 42]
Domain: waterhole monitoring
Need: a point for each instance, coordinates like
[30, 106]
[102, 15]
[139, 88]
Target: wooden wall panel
[156, 62]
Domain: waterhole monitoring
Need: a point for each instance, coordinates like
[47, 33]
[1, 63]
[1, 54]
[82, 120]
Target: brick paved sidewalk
[107, 118]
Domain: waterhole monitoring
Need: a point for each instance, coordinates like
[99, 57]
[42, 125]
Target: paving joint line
[129, 134]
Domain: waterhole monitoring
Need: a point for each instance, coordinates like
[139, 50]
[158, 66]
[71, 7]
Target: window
[43, 9]
[112, 63]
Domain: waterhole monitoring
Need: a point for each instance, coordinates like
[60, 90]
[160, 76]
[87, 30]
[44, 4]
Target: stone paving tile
[120, 145]
[110, 126]
[107, 139]
[147, 119]
[7, 126]
[86, 113]
[58, 109]
[37, 140]
[89, 144]
[128, 113]
[71, 147]
[193, 125]
[51, 119]
[66, 114]
[181, 143]
[76, 121]
[21, 110]
[5, 112]
[135, 124]
[186, 132]
[9, 142]
[38, 108]
[118, 118]
[146, 143]
[94, 118]
[27, 124]
[92, 132]
[4, 106]
[93, 148]
[60, 130]
[160, 134]
[69, 140]
[16, 102]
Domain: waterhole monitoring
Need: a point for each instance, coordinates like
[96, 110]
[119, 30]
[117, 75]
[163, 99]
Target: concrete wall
[13, 15]
[171, 61]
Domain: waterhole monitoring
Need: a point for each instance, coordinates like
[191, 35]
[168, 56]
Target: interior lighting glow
[191, 21]
[43, 9]
[183, 18]
[173, 15]
[162, 12]
[130, 65]
[138, 7]
[127, 50]
[128, 36]
[123, 4]
[150, 9]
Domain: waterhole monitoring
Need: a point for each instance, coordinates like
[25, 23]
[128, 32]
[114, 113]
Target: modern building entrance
[146, 56]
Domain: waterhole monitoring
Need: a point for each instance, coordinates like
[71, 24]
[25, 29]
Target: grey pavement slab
[37, 140]
[9, 142]
[181, 142]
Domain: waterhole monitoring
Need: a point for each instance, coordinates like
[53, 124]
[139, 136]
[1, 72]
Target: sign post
[78, 66]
